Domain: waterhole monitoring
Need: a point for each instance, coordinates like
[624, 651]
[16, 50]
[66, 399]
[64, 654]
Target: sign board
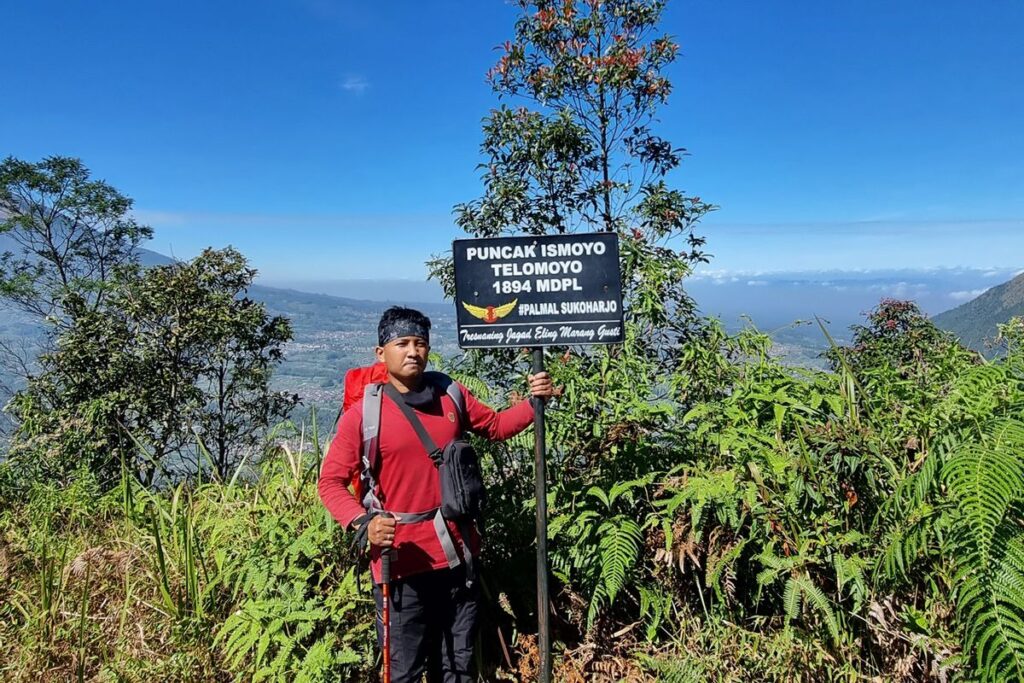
[538, 291]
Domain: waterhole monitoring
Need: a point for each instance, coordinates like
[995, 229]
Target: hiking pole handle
[385, 558]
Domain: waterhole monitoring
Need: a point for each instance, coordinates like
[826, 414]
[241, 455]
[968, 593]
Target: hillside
[333, 334]
[975, 321]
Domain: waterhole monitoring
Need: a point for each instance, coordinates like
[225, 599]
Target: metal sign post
[540, 467]
[558, 290]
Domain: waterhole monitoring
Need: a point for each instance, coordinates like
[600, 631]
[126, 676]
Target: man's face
[405, 357]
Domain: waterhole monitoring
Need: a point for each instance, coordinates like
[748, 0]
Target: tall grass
[166, 583]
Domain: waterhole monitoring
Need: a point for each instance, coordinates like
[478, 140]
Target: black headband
[402, 328]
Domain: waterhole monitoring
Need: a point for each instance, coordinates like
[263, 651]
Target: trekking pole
[385, 618]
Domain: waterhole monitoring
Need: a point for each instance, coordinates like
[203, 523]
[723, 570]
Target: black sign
[538, 291]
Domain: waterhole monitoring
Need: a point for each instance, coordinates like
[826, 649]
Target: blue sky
[315, 135]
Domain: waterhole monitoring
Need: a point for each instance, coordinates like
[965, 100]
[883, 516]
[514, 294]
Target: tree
[174, 360]
[73, 233]
[900, 365]
[586, 157]
[899, 351]
[247, 345]
[578, 153]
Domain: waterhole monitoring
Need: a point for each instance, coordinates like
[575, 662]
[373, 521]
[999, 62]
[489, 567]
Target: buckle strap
[440, 528]
[415, 517]
[444, 536]
[447, 542]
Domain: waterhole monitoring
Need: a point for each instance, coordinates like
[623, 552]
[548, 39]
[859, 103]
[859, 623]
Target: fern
[979, 391]
[791, 600]
[655, 608]
[719, 566]
[598, 601]
[620, 541]
[801, 589]
[718, 489]
[986, 479]
[908, 539]
[913, 519]
[850, 578]
[773, 566]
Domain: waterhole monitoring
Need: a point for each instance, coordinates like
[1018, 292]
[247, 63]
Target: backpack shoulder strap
[371, 445]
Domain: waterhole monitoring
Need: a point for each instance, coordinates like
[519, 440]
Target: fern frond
[598, 600]
[976, 391]
[986, 478]
[815, 597]
[791, 599]
[800, 589]
[992, 605]
[907, 540]
[655, 607]
[620, 547]
[717, 566]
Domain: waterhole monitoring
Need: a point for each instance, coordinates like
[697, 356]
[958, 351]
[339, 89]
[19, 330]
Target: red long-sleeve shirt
[407, 478]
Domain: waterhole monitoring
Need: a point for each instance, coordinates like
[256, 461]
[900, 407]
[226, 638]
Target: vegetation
[142, 369]
[800, 525]
[244, 578]
[172, 366]
[73, 234]
[715, 515]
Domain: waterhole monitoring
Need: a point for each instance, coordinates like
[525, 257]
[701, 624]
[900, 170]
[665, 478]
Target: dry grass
[123, 635]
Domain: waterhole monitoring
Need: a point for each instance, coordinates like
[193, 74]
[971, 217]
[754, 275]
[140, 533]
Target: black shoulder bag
[458, 468]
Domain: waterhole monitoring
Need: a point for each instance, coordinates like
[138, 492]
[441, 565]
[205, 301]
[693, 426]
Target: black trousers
[433, 627]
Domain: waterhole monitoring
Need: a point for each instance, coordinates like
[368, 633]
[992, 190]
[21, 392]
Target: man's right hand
[382, 530]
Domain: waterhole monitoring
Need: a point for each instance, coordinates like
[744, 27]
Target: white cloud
[170, 218]
[967, 294]
[756, 283]
[356, 84]
[160, 218]
[900, 289]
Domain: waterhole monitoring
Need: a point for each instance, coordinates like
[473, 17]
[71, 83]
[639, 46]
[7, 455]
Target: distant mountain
[146, 257]
[149, 258]
[382, 289]
[975, 321]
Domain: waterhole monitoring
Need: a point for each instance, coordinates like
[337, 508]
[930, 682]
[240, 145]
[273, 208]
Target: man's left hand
[540, 386]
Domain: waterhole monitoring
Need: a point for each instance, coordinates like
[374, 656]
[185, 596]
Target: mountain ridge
[975, 322]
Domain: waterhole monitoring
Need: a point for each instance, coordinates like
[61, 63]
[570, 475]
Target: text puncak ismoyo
[538, 275]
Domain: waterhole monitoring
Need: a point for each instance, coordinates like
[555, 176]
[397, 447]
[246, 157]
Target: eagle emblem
[490, 314]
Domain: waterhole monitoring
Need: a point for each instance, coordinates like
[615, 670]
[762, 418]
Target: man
[433, 606]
